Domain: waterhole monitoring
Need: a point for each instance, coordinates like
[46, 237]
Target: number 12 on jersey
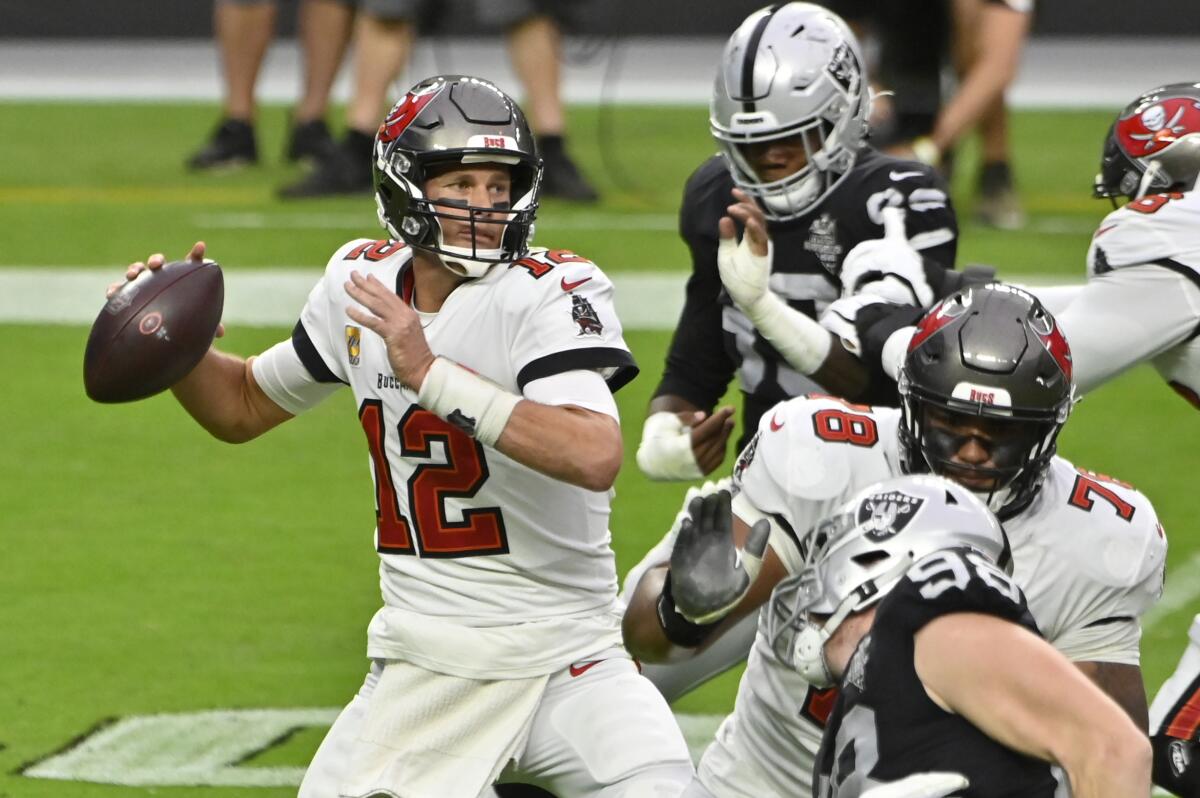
[426, 531]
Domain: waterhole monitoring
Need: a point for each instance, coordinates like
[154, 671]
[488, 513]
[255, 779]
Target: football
[153, 331]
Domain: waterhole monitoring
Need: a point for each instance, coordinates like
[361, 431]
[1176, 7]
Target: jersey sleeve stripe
[624, 367]
[1181, 269]
[1183, 721]
[310, 357]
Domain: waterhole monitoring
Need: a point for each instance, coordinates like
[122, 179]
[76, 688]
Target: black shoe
[232, 144]
[344, 169]
[561, 178]
[998, 204]
[310, 140]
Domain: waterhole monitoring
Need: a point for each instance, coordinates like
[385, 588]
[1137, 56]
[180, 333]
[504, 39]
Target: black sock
[359, 145]
[550, 146]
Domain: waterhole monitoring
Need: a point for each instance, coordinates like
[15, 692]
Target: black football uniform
[885, 727]
[714, 339]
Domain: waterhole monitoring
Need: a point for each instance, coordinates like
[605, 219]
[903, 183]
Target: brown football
[153, 331]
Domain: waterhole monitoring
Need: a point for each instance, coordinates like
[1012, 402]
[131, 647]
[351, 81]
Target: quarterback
[985, 389]
[482, 370]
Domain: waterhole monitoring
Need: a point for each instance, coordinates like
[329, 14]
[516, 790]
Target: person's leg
[535, 50]
[998, 204]
[383, 38]
[324, 31]
[243, 32]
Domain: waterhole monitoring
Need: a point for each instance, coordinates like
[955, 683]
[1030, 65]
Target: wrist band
[475, 405]
[680, 630]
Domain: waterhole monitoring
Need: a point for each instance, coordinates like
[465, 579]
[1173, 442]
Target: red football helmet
[1154, 145]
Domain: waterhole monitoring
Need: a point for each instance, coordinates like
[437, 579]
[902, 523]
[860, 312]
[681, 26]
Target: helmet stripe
[751, 53]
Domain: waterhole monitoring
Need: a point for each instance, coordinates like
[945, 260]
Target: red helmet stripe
[930, 323]
[404, 112]
[1056, 345]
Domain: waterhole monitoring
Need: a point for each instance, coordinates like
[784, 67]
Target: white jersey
[1088, 553]
[487, 566]
[1161, 231]
[1176, 709]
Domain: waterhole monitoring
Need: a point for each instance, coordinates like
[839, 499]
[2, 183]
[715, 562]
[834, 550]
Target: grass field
[149, 569]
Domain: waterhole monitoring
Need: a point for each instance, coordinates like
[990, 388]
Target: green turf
[148, 568]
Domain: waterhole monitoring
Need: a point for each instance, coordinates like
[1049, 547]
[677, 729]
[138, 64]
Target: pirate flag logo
[583, 314]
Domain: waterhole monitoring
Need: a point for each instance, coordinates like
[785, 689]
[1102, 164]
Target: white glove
[665, 452]
[803, 343]
[744, 274]
[887, 267]
[920, 785]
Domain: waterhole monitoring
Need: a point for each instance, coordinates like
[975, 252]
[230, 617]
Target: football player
[985, 390]
[482, 370]
[1142, 298]
[789, 112]
[1175, 724]
[940, 666]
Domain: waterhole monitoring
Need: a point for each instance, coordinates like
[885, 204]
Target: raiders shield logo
[822, 242]
[884, 514]
[583, 314]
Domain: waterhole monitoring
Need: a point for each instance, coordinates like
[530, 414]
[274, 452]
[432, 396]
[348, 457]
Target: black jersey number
[429, 532]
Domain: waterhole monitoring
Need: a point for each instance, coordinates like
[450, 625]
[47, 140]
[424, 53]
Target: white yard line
[647, 300]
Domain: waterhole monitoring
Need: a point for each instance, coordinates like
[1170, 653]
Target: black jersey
[714, 339]
[885, 727]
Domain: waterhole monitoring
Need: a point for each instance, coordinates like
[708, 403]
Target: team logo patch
[583, 314]
[746, 458]
[1158, 126]
[822, 242]
[883, 515]
[1180, 759]
[353, 344]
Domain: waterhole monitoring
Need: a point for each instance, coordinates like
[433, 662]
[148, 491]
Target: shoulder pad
[1152, 228]
[1120, 541]
[817, 442]
[540, 261]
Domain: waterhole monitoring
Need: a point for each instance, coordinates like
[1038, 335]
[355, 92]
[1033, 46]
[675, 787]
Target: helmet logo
[1159, 126]
[883, 515]
[982, 395]
[405, 111]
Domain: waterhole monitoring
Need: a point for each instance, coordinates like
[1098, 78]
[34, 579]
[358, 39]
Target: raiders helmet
[455, 119]
[996, 353]
[857, 555]
[793, 69]
[1154, 145]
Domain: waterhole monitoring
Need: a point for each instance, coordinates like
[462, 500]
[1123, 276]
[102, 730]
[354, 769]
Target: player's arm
[1122, 683]
[683, 436]
[576, 445]
[220, 393]
[656, 626]
[1018, 690]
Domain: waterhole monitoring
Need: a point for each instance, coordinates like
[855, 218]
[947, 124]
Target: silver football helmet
[857, 555]
[792, 70]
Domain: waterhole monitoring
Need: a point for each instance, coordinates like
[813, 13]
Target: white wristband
[803, 342]
[472, 403]
[665, 452]
[895, 349]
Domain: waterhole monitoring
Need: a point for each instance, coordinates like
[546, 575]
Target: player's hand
[745, 266]
[920, 785]
[153, 264]
[709, 575]
[396, 323]
[887, 267]
[684, 446]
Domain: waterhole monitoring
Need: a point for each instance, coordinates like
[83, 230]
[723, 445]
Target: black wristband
[680, 630]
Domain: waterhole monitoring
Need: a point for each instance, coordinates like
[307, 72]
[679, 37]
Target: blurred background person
[243, 30]
[924, 49]
[383, 39]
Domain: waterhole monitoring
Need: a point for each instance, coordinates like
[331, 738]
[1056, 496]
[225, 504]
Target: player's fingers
[690, 418]
[155, 261]
[134, 270]
[367, 320]
[220, 331]
[893, 223]
[113, 288]
[726, 227]
[197, 251]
